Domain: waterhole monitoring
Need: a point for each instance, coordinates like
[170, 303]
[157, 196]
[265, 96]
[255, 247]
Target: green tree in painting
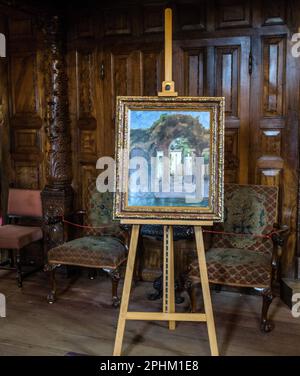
[182, 127]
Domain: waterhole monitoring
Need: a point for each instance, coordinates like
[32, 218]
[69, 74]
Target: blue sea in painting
[146, 200]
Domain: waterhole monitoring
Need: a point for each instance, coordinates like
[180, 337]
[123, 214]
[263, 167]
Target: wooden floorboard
[83, 321]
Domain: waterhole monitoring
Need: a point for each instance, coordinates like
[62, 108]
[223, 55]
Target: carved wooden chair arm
[278, 237]
[125, 234]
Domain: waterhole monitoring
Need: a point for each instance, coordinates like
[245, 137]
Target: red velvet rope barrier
[263, 236]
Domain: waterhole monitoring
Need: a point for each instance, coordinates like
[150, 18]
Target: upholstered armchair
[245, 248]
[103, 244]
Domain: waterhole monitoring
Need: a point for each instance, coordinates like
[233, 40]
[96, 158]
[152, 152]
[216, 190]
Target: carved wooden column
[58, 193]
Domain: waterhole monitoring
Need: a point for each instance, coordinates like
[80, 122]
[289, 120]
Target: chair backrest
[24, 203]
[248, 209]
[99, 211]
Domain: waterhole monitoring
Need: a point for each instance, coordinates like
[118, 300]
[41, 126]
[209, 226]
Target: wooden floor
[82, 321]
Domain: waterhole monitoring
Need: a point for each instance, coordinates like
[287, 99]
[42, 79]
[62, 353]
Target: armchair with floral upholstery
[246, 247]
[103, 244]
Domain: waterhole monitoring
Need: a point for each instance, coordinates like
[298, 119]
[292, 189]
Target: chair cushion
[236, 267]
[90, 251]
[17, 237]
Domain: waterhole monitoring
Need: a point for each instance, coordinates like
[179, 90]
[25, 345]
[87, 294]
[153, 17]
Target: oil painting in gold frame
[169, 158]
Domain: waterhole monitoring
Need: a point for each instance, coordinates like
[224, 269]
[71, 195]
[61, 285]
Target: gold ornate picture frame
[169, 158]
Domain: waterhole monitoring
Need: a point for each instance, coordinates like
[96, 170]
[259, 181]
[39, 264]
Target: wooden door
[220, 67]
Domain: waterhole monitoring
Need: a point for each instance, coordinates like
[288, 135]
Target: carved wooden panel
[87, 173]
[233, 13]
[84, 25]
[231, 160]
[194, 71]
[274, 12]
[20, 27]
[25, 105]
[269, 169]
[270, 162]
[227, 78]
[271, 142]
[26, 141]
[27, 175]
[269, 176]
[88, 142]
[191, 16]
[120, 71]
[274, 71]
[85, 90]
[151, 72]
[117, 22]
[153, 18]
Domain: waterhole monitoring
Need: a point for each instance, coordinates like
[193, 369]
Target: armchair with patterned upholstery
[246, 247]
[103, 244]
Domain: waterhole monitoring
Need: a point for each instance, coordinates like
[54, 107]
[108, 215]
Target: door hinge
[250, 63]
[102, 73]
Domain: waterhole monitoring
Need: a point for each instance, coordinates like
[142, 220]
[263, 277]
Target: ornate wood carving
[85, 90]
[58, 194]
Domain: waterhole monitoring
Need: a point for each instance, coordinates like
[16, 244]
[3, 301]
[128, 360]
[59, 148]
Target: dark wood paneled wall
[232, 48]
[27, 104]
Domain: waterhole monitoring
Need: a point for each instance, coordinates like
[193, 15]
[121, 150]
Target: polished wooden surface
[82, 321]
[126, 290]
[206, 292]
[240, 50]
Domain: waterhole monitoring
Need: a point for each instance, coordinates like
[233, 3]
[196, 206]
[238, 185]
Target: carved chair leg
[115, 278]
[19, 269]
[179, 288]
[50, 269]
[265, 325]
[11, 258]
[218, 288]
[158, 287]
[191, 290]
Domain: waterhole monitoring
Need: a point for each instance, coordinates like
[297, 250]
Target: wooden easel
[168, 314]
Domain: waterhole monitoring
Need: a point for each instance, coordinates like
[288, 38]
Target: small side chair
[103, 243]
[24, 206]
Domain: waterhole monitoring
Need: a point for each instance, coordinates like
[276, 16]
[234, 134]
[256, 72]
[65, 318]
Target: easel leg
[126, 290]
[206, 292]
[169, 280]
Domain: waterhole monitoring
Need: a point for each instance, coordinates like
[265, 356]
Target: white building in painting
[185, 176]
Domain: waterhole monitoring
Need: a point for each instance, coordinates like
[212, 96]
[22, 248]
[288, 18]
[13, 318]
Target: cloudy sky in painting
[145, 119]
